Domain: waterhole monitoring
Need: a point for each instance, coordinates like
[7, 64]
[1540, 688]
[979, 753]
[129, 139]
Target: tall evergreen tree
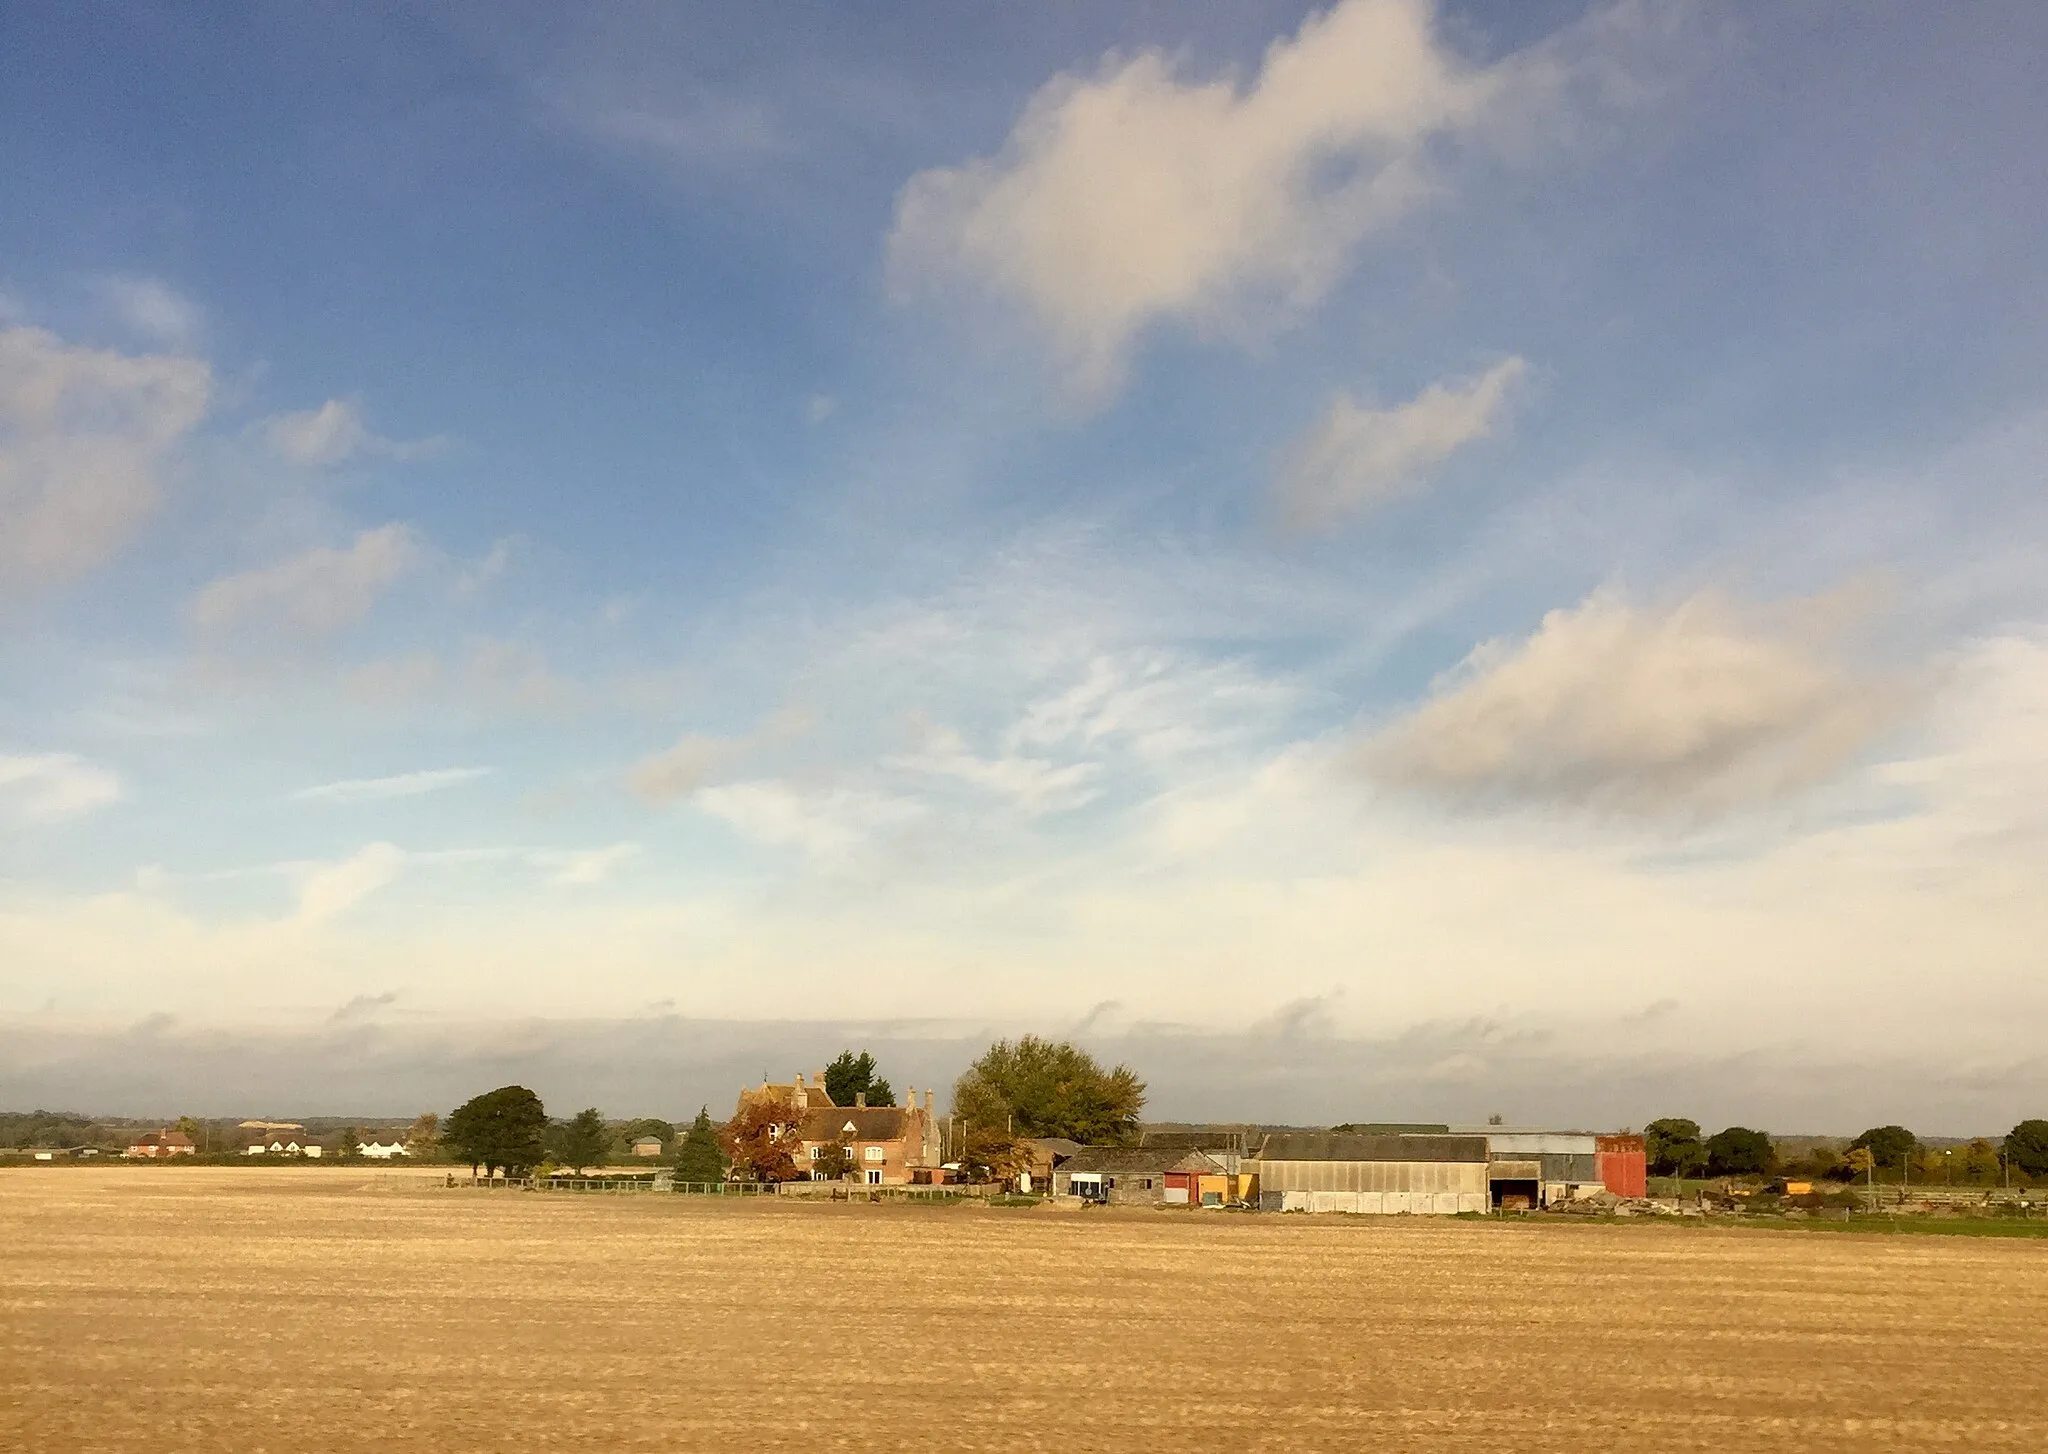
[698, 1158]
[852, 1076]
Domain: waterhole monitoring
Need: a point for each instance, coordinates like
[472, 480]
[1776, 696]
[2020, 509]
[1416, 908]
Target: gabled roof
[1136, 1161]
[866, 1123]
[1336, 1146]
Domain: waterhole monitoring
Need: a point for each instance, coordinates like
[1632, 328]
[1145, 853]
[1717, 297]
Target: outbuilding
[1127, 1175]
[1326, 1171]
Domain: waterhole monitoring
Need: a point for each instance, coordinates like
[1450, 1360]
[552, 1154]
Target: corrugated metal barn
[1375, 1175]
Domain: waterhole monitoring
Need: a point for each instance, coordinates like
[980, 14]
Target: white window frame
[875, 1153]
[875, 1176]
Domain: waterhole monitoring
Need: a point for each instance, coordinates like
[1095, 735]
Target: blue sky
[1353, 520]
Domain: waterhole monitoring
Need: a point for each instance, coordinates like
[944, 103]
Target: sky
[1384, 560]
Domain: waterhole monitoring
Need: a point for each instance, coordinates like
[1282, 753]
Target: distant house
[1129, 1175]
[284, 1143]
[155, 1145]
[382, 1150]
[1048, 1154]
[648, 1146]
[888, 1145]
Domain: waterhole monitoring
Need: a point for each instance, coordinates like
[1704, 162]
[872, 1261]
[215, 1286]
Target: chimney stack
[860, 1100]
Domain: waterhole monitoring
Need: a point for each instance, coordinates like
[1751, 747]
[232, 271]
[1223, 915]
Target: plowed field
[159, 1308]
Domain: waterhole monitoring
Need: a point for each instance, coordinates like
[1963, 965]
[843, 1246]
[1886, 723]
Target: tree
[2026, 1147]
[1739, 1151]
[834, 1163]
[583, 1141]
[1035, 1087]
[1889, 1146]
[852, 1076]
[1979, 1163]
[424, 1135]
[698, 1158]
[1673, 1147]
[761, 1138]
[347, 1142]
[500, 1128]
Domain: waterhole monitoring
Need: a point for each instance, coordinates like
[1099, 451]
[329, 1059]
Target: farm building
[1228, 1144]
[153, 1144]
[1537, 1168]
[1324, 1171]
[1128, 1175]
[647, 1146]
[382, 1150]
[1048, 1154]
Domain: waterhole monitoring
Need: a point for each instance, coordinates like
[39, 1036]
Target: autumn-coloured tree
[993, 1154]
[424, 1136]
[761, 1138]
[834, 1162]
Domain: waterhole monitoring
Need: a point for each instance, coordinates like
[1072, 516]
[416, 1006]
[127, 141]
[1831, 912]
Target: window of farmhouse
[874, 1153]
[814, 1152]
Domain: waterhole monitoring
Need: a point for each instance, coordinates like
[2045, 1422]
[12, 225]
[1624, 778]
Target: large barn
[1328, 1171]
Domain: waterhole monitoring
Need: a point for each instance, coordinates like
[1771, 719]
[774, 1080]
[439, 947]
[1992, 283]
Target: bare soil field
[303, 1309]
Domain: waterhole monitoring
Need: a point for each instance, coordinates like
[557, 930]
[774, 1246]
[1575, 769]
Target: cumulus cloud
[826, 823]
[334, 432]
[1137, 195]
[318, 592]
[402, 785]
[1357, 458]
[84, 437]
[328, 889]
[152, 308]
[45, 787]
[1621, 709]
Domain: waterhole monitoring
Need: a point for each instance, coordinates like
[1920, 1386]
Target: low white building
[382, 1150]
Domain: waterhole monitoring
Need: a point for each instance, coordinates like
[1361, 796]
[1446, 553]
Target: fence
[803, 1190]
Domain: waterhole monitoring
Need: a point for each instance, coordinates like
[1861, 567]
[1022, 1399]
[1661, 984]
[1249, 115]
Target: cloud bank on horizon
[1433, 513]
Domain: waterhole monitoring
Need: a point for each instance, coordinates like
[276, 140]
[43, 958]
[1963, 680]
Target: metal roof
[1333, 1146]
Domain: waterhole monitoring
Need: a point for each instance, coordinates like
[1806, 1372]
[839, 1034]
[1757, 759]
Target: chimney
[860, 1100]
[929, 1103]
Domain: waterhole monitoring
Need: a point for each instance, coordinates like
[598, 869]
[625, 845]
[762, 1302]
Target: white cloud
[820, 408]
[152, 308]
[1358, 458]
[827, 823]
[578, 867]
[1610, 707]
[685, 767]
[1136, 196]
[333, 432]
[328, 889]
[1035, 784]
[318, 592]
[402, 785]
[326, 435]
[1160, 707]
[43, 787]
[84, 436]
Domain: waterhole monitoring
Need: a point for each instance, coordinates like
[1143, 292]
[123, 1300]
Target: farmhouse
[887, 1144]
[1327, 1171]
[382, 1150]
[1130, 1174]
[158, 1144]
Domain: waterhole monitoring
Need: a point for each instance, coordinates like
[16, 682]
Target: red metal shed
[1623, 1165]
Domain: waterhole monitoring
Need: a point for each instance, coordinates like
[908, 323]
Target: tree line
[1675, 1148]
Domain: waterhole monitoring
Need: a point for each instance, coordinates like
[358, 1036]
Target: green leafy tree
[698, 1158]
[1978, 1164]
[583, 1140]
[852, 1076]
[1674, 1148]
[346, 1142]
[1889, 1146]
[498, 1129]
[2026, 1146]
[1739, 1151]
[1034, 1087]
[835, 1162]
